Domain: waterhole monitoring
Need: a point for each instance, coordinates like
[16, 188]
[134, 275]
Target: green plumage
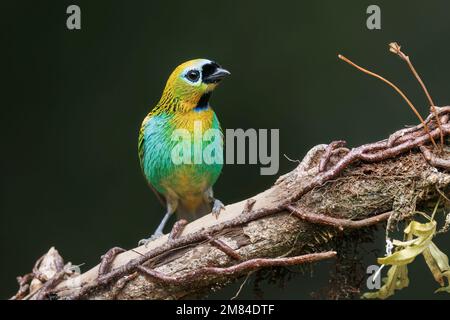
[185, 187]
[187, 181]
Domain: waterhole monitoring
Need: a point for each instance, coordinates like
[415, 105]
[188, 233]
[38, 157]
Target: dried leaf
[440, 267]
[51, 263]
[424, 233]
[447, 288]
[407, 251]
[433, 266]
[440, 257]
[397, 278]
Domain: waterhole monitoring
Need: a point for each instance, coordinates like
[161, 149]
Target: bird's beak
[218, 75]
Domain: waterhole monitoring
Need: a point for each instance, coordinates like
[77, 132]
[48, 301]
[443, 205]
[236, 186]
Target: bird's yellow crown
[190, 85]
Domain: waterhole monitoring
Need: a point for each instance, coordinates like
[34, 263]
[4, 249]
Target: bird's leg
[172, 204]
[159, 231]
[217, 204]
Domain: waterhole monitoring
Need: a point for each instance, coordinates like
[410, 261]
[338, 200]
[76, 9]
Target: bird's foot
[217, 207]
[145, 242]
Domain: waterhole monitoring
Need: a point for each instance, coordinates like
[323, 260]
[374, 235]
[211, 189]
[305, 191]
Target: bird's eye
[193, 75]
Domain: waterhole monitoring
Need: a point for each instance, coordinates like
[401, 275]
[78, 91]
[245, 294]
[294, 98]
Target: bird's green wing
[141, 145]
[141, 142]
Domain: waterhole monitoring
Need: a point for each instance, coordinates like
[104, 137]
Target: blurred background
[73, 103]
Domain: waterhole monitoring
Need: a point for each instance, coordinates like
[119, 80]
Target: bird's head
[190, 85]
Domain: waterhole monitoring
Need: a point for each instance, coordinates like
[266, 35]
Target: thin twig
[24, 286]
[177, 229]
[394, 87]
[395, 48]
[242, 285]
[50, 285]
[222, 246]
[405, 134]
[329, 152]
[246, 266]
[434, 160]
[341, 224]
[446, 198]
[107, 260]
[38, 274]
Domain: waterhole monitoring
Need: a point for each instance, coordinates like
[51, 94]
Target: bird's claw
[217, 207]
[145, 242]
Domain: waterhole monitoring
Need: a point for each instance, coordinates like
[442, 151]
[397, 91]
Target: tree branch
[331, 191]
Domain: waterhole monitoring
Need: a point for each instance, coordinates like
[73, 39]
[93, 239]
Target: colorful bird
[184, 188]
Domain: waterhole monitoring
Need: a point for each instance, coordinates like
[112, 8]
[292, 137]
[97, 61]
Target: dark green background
[73, 102]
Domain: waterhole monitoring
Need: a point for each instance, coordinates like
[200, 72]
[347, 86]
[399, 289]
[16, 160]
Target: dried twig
[177, 229]
[46, 289]
[246, 266]
[225, 248]
[24, 285]
[36, 273]
[400, 92]
[341, 224]
[395, 48]
[329, 152]
[405, 134]
[434, 160]
[107, 260]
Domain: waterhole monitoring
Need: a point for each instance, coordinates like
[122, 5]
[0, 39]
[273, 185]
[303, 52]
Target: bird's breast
[164, 136]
